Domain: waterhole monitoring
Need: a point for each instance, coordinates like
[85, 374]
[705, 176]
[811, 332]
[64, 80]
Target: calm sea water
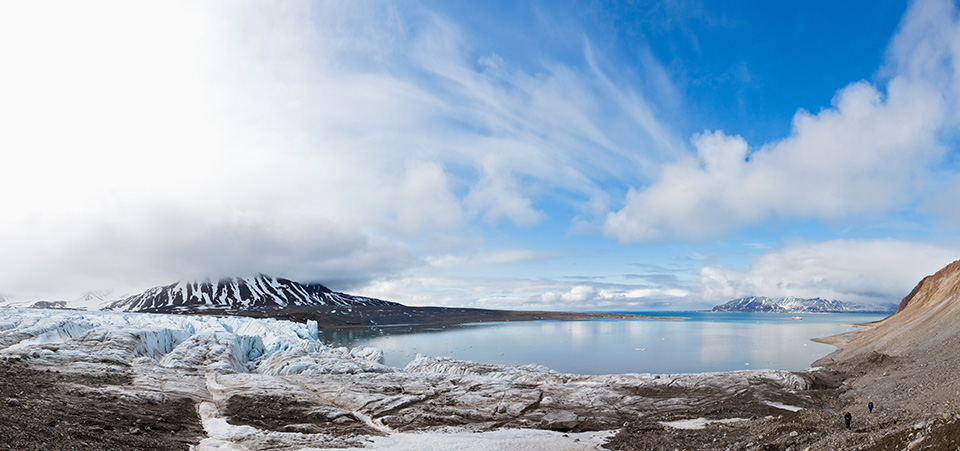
[704, 342]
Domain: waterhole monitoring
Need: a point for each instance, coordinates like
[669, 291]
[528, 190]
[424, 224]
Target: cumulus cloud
[614, 296]
[869, 271]
[527, 293]
[870, 153]
[927, 47]
[873, 272]
[324, 141]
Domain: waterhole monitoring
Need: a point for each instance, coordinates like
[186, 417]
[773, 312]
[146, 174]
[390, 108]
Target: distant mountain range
[94, 299]
[260, 293]
[796, 305]
[49, 304]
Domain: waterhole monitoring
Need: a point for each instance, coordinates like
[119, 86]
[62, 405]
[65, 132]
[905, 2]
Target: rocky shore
[906, 365]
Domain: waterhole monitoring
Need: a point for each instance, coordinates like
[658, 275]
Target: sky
[561, 155]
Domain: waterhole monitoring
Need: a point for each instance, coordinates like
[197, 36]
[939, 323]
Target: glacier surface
[346, 398]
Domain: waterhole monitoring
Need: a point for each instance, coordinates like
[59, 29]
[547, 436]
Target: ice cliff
[175, 341]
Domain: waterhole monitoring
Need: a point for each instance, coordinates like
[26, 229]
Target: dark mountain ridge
[271, 297]
[262, 293]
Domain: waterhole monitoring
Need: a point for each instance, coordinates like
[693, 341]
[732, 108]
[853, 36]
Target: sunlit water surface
[704, 342]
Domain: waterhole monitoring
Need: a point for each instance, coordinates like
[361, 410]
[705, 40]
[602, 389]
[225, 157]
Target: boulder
[559, 421]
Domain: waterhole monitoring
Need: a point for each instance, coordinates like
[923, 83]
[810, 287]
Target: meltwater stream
[704, 342]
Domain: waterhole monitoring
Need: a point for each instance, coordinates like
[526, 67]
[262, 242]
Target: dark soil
[808, 429]
[49, 410]
[815, 428]
[941, 435]
[287, 414]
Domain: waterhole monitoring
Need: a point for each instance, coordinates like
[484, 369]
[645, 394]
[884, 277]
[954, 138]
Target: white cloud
[880, 271]
[431, 285]
[927, 47]
[870, 271]
[510, 256]
[605, 296]
[872, 152]
[496, 196]
[579, 293]
[346, 142]
[867, 154]
[320, 140]
[434, 206]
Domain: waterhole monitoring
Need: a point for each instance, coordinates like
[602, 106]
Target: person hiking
[870, 406]
[846, 419]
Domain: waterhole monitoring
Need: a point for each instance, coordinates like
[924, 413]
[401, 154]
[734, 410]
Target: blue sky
[577, 155]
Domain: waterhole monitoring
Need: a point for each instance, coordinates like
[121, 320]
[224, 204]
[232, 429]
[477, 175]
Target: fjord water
[706, 341]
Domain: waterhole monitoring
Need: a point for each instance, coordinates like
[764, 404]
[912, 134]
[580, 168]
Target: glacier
[209, 343]
[347, 398]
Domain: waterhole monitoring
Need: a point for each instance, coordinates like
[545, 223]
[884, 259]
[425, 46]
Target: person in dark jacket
[846, 419]
[870, 406]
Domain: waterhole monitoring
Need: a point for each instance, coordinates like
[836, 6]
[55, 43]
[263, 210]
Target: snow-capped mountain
[49, 304]
[793, 305]
[14, 302]
[93, 300]
[233, 294]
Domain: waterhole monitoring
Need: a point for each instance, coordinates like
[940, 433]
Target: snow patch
[783, 406]
[698, 423]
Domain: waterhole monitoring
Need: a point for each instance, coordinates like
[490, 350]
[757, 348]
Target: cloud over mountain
[280, 139]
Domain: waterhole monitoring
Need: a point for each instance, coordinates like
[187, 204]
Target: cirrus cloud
[329, 141]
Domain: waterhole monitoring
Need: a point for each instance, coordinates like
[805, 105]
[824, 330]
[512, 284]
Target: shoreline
[348, 317]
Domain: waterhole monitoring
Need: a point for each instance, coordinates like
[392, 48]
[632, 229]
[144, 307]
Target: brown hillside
[932, 288]
[927, 319]
[910, 359]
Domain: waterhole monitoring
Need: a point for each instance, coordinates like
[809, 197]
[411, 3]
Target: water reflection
[351, 336]
[705, 342]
